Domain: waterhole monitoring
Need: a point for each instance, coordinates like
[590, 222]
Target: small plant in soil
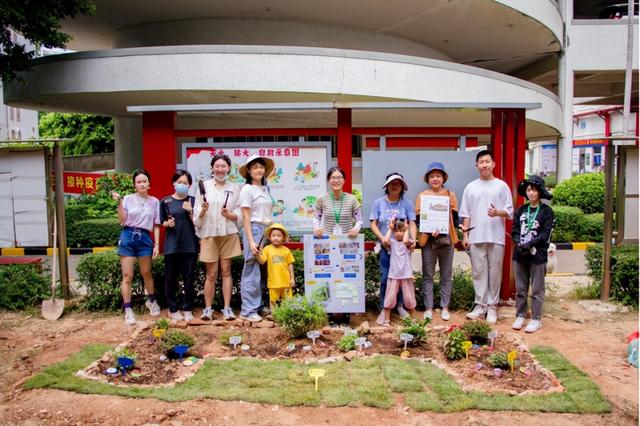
[477, 331]
[453, 344]
[224, 337]
[125, 353]
[297, 316]
[162, 324]
[347, 342]
[173, 338]
[416, 328]
[498, 360]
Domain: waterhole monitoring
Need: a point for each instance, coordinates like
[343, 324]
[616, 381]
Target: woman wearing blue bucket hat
[437, 248]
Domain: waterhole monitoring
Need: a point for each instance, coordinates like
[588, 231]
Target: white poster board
[434, 214]
[298, 179]
[334, 272]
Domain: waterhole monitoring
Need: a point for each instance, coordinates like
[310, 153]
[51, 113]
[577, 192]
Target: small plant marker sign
[361, 341]
[235, 341]
[313, 335]
[492, 336]
[466, 345]
[316, 373]
[158, 332]
[406, 338]
[511, 357]
[350, 332]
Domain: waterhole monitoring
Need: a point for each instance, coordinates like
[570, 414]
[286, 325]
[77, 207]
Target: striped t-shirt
[347, 208]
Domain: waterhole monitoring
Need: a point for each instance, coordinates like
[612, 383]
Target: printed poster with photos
[434, 214]
[334, 272]
[298, 178]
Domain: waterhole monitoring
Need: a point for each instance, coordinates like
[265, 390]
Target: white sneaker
[518, 323]
[207, 314]
[154, 309]
[428, 314]
[380, 320]
[228, 314]
[492, 315]
[444, 314]
[478, 312]
[176, 316]
[188, 315]
[402, 312]
[252, 317]
[129, 316]
[533, 326]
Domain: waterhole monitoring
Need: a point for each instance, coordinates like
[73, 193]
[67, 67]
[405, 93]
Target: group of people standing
[208, 225]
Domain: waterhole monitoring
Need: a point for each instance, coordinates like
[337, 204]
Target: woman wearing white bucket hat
[391, 206]
[256, 205]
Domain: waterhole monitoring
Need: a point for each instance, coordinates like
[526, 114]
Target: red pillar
[345, 133]
[159, 150]
[497, 137]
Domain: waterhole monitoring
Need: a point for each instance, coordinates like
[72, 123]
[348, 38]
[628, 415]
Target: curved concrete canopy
[501, 35]
[108, 82]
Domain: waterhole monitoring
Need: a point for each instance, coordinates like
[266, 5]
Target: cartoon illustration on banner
[295, 184]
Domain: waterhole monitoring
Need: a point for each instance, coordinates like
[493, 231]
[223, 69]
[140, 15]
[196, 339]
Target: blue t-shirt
[383, 210]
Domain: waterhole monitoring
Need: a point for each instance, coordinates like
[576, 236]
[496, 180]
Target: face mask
[181, 188]
[220, 178]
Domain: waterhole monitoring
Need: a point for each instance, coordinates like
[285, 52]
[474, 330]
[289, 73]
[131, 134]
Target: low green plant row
[624, 273]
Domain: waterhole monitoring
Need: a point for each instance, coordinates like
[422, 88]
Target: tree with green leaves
[39, 22]
[91, 134]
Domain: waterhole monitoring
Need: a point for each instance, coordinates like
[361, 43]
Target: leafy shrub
[298, 315]
[125, 353]
[568, 224]
[585, 191]
[624, 272]
[498, 360]
[22, 286]
[416, 328]
[173, 338]
[162, 324]
[453, 344]
[94, 233]
[592, 227]
[347, 342]
[477, 331]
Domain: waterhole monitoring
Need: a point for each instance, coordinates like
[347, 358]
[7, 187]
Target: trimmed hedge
[573, 225]
[23, 286]
[585, 191]
[94, 233]
[101, 274]
[624, 272]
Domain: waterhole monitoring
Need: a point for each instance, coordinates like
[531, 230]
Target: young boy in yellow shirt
[279, 260]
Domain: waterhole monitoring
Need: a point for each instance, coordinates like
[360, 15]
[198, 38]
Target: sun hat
[436, 166]
[268, 165]
[396, 176]
[538, 183]
[279, 226]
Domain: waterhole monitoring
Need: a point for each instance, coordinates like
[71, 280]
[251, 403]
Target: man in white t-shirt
[486, 203]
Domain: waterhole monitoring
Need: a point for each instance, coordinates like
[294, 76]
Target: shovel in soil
[52, 308]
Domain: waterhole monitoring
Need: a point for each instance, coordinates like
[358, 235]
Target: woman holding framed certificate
[437, 213]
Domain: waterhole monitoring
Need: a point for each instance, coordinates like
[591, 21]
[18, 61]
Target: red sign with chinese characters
[80, 183]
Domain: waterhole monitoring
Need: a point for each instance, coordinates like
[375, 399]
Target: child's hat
[436, 166]
[538, 183]
[279, 226]
[269, 165]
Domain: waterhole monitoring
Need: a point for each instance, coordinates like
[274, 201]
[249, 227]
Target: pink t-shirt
[400, 262]
[141, 212]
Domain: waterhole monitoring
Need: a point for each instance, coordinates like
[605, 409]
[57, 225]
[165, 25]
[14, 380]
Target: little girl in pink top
[400, 271]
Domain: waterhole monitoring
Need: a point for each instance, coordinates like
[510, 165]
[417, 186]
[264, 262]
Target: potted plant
[176, 343]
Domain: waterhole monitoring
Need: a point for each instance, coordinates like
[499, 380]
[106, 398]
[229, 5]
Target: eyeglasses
[336, 178]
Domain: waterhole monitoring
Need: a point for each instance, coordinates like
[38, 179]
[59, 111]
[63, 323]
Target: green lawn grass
[369, 381]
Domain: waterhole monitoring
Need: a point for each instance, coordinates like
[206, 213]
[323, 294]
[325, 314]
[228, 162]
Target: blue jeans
[250, 282]
[385, 258]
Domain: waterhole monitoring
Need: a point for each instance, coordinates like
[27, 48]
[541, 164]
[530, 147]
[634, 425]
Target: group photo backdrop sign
[334, 272]
[298, 178]
[412, 164]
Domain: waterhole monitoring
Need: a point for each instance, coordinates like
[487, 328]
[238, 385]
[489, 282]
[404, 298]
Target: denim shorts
[135, 242]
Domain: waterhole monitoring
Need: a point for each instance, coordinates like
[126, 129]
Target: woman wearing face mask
[257, 205]
[139, 216]
[180, 246]
[215, 215]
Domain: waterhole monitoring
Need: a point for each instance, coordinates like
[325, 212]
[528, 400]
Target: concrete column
[565, 93]
[128, 133]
